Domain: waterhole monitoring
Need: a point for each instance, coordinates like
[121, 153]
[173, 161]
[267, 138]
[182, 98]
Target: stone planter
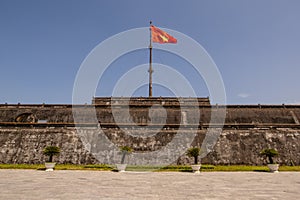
[273, 167]
[196, 168]
[49, 166]
[121, 167]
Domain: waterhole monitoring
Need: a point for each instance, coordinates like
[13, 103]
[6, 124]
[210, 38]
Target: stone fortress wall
[26, 129]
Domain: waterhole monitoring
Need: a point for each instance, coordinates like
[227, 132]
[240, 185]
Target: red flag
[161, 37]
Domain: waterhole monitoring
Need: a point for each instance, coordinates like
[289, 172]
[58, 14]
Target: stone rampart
[26, 129]
[25, 145]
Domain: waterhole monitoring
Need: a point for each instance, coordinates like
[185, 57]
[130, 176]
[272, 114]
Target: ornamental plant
[194, 152]
[125, 151]
[51, 151]
[269, 153]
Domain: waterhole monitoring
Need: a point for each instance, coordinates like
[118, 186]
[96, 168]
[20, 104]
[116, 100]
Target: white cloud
[294, 103]
[243, 95]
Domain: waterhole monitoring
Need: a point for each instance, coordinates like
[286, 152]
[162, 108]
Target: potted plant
[194, 152]
[50, 151]
[125, 150]
[270, 153]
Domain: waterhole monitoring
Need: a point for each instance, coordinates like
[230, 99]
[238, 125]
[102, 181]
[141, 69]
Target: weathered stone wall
[25, 145]
[26, 129]
[243, 146]
[235, 114]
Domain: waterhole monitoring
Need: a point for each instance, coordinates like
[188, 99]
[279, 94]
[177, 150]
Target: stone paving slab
[35, 184]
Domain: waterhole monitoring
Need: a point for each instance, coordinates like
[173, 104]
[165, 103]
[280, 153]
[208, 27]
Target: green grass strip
[171, 168]
[100, 167]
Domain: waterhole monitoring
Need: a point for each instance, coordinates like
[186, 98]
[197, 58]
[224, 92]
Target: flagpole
[150, 63]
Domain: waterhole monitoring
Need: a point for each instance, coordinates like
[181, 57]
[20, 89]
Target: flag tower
[158, 36]
[150, 62]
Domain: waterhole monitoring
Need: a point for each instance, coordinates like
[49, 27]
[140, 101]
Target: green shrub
[125, 151]
[194, 152]
[269, 153]
[51, 151]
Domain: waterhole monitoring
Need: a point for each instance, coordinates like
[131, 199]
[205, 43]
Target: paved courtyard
[35, 184]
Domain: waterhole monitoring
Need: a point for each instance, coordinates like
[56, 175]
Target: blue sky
[254, 43]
